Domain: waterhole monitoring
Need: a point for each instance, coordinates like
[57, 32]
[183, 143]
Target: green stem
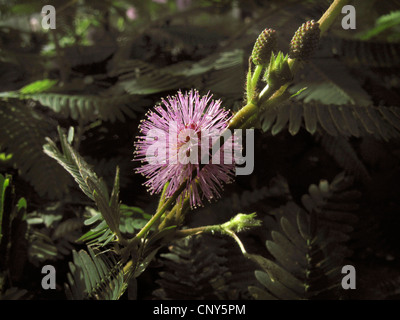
[277, 98]
[159, 213]
[256, 76]
[214, 228]
[330, 15]
[6, 182]
[175, 215]
[236, 238]
[242, 115]
[249, 88]
[266, 93]
[150, 223]
[162, 197]
[193, 231]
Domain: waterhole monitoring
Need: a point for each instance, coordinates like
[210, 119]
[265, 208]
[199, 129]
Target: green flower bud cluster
[277, 69]
[263, 47]
[305, 41]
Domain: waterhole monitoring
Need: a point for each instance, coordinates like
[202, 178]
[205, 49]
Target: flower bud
[241, 222]
[264, 46]
[305, 41]
[278, 72]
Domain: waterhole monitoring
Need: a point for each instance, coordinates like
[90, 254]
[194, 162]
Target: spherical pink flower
[178, 138]
[131, 13]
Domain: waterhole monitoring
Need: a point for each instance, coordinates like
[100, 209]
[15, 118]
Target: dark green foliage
[369, 53]
[13, 242]
[384, 23]
[92, 186]
[4, 183]
[329, 82]
[101, 233]
[211, 266]
[98, 73]
[307, 245]
[344, 120]
[13, 294]
[345, 155]
[194, 271]
[87, 108]
[95, 277]
[139, 78]
[76, 166]
[80, 107]
[132, 220]
[202, 267]
[22, 135]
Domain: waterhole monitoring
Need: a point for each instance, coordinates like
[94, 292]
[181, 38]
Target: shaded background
[107, 63]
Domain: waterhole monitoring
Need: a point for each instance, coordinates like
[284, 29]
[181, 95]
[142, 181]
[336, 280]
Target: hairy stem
[236, 238]
[162, 197]
[256, 76]
[193, 231]
[175, 215]
[242, 115]
[159, 213]
[330, 15]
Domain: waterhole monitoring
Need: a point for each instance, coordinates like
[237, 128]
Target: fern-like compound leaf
[22, 135]
[95, 277]
[307, 244]
[336, 120]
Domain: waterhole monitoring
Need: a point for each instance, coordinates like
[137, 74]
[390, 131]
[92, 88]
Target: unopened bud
[241, 222]
[305, 41]
[264, 46]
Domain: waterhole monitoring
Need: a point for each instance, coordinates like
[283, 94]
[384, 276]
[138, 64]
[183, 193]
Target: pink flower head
[131, 13]
[177, 138]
